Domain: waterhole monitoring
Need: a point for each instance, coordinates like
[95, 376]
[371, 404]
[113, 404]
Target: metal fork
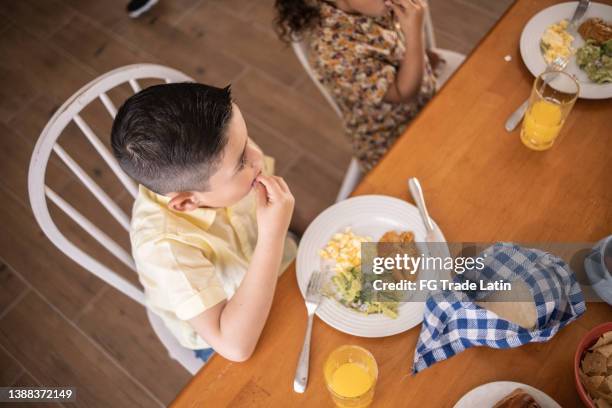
[557, 65]
[313, 298]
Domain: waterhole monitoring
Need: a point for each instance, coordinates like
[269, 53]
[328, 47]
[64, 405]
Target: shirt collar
[202, 216]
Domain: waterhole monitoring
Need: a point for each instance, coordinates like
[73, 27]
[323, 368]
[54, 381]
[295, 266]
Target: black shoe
[136, 8]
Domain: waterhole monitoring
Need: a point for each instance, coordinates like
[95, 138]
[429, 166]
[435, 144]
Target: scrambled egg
[556, 42]
[350, 287]
[345, 249]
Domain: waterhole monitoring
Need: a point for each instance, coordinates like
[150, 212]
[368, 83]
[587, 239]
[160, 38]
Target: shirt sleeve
[182, 276]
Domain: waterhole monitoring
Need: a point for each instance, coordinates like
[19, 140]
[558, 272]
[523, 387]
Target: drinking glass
[552, 97]
[350, 375]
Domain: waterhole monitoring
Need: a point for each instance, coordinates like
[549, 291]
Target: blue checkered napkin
[453, 322]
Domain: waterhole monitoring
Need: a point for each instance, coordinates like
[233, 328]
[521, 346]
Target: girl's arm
[408, 80]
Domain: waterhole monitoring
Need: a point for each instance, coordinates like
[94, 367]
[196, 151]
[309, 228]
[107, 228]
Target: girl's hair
[294, 17]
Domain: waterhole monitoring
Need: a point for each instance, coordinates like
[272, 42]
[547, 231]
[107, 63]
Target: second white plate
[370, 215]
[530, 44]
[487, 395]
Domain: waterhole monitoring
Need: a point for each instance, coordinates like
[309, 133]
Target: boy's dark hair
[170, 137]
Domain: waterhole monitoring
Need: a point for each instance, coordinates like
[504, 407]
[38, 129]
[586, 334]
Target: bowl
[587, 341]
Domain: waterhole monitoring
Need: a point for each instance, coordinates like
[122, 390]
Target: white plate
[370, 215]
[486, 395]
[530, 44]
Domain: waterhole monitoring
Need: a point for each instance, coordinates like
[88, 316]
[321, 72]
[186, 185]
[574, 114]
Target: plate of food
[506, 394]
[546, 37]
[332, 244]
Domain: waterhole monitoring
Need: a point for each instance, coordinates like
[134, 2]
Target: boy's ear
[185, 201]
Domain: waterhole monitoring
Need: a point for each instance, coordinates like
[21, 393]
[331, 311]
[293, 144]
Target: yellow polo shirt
[190, 261]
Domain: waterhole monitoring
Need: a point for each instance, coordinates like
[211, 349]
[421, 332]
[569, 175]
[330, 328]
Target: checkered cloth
[453, 322]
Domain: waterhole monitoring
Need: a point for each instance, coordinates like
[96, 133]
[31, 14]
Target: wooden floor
[60, 325]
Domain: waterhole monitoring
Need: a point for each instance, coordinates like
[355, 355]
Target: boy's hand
[409, 13]
[274, 207]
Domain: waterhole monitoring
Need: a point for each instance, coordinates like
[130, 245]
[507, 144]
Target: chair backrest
[39, 192]
[430, 38]
[301, 51]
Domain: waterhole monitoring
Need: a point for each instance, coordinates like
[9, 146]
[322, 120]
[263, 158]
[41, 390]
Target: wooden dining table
[481, 185]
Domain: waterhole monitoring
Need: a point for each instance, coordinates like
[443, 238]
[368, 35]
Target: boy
[209, 224]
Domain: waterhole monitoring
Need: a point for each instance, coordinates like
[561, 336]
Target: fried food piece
[518, 398]
[394, 236]
[393, 243]
[595, 29]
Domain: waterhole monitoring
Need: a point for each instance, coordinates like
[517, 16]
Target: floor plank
[156, 35]
[315, 129]
[96, 48]
[11, 369]
[307, 88]
[237, 7]
[213, 27]
[11, 287]
[313, 191]
[40, 64]
[26, 249]
[263, 14]
[20, 152]
[120, 326]
[56, 353]
[42, 18]
[466, 22]
[107, 13]
[13, 99]
[493, 8]
[282, 150]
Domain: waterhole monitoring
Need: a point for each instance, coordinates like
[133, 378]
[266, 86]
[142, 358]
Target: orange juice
[542, 124]
[350, 375]
[351, 380]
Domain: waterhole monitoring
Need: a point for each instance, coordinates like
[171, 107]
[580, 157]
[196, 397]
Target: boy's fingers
[282, 183]
[398, 10]
[262, 196]
[271, 185]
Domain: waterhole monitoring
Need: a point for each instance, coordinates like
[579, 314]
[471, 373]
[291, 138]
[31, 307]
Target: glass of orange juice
[350, 375]
[552, 98]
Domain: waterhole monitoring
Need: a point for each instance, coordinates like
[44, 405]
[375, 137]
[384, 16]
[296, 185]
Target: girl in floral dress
[370, 55]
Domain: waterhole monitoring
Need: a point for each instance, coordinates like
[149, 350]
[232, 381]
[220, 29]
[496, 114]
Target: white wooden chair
[453, 60]
[39, 192]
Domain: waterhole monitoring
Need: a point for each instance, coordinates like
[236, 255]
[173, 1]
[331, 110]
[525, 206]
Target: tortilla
[606, 386]
[594, 363]
[605, 350]
[602, 403]
[605, 338]
[503, 304]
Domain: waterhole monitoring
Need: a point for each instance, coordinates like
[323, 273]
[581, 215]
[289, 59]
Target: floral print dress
[356, 58]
